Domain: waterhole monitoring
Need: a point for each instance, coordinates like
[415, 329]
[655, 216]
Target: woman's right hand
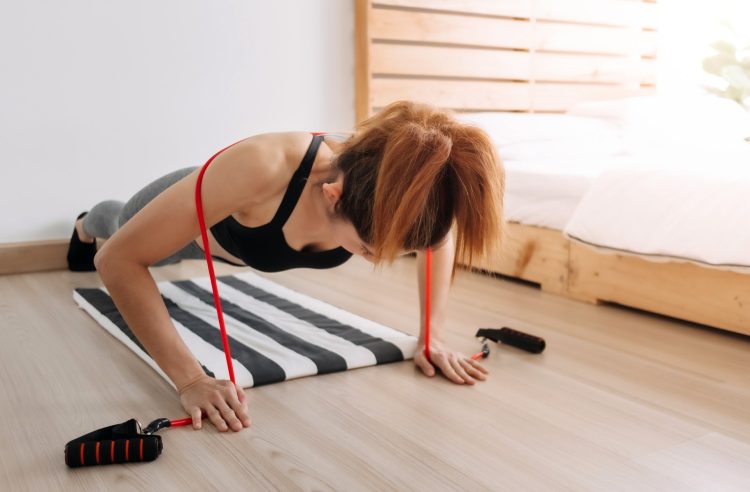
[224, 403]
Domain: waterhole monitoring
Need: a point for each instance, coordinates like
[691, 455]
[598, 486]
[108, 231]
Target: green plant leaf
[716, 63]
[736, 76]
[734, 93]
[724, 47]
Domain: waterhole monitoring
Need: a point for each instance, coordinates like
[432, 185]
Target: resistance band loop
[215, 288]
[427, 294]
[210, 263]
[209, 260]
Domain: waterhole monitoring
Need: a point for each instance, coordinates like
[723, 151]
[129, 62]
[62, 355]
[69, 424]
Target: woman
[409, 178]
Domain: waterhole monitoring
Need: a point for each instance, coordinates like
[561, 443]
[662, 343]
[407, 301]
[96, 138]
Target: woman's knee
[151, 191]
[103, 219]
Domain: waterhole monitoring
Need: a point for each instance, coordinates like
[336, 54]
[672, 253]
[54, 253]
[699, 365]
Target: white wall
[99, 98]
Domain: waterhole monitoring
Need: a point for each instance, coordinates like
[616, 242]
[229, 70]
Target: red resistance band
[181, 422]
[215, 288]
[427, 295]
[210, 263]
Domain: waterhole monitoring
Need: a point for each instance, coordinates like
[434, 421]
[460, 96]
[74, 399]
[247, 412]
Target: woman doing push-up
[409, 178]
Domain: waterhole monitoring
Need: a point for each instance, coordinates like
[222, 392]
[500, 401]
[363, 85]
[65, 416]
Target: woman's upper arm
[237, 178]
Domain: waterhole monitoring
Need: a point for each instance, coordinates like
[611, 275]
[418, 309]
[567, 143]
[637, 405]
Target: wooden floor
[620, 400]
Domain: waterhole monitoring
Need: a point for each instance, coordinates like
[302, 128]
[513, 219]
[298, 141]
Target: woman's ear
[332, 193]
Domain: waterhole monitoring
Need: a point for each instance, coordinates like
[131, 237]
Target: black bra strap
[297, 183]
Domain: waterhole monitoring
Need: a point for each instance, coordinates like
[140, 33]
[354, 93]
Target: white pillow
[527, 136]
[656, 120]
[563, 148]
[508, 128]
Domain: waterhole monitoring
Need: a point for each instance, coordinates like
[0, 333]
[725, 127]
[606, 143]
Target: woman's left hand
[454, 365]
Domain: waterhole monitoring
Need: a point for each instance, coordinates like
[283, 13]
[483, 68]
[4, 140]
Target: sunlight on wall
[686, 31]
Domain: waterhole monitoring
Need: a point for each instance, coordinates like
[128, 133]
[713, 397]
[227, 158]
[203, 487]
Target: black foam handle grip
[519, 339]
[524, 341]
[120, 443]
[107, 452]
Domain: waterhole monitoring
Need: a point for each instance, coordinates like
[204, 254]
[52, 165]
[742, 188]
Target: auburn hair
[411, 172]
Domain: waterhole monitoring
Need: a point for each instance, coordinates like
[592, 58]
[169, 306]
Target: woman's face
[343, 231]
[346, 235]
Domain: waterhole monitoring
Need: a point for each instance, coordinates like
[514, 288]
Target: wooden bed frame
[540, 56]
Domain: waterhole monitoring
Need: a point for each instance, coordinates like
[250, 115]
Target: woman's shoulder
[263, 162]
[274, 151]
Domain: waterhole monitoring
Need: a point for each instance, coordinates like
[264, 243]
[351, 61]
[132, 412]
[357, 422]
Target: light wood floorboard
[620, 400]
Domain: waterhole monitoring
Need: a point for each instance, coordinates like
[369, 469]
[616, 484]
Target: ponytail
[411, 172]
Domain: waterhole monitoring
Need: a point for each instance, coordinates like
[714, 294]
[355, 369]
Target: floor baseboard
[35, 256]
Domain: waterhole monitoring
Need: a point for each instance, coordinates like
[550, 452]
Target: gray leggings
[106, 217]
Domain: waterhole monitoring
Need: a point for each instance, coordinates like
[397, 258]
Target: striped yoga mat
[274, 333]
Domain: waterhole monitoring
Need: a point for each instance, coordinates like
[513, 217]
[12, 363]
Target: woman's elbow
[113, 261]
[106, 261]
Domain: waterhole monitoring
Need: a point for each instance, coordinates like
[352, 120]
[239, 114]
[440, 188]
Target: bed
[534, 61]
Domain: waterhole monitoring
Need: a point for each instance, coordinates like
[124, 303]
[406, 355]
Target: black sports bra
[265, 248]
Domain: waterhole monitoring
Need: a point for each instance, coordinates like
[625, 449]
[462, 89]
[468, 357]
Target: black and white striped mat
[274, 333]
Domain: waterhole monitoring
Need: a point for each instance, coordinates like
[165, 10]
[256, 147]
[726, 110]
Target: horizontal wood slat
[504, 55]
[602, 12]
[492, 96]
[402, 25]
[439, 61]
[453, 94]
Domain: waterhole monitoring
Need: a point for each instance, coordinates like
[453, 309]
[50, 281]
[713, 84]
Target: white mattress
[550, 161]
[672, 204]
[546, 193]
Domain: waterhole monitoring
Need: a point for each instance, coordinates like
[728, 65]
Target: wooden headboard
[502, 55]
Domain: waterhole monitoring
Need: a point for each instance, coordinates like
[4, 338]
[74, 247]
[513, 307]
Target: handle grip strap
[121, 443]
